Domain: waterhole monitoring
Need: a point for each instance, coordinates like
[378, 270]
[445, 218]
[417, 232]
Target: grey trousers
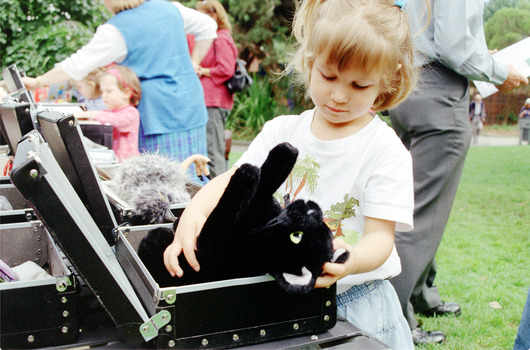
[433, 124]
[215, 137]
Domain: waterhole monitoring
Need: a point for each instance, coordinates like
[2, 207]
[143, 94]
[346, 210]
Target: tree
[36, 34]
[493, 6]
[261, 28]
[507, 26]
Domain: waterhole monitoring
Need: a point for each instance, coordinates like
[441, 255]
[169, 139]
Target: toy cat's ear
[340, 256]
[276, 168]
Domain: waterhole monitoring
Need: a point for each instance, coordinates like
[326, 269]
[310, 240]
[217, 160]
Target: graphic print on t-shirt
[305, 176]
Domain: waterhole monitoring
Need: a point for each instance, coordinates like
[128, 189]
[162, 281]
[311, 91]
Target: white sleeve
[390, 189]
[202, 26]
[463, 47]
[106, 46]
[259, 148]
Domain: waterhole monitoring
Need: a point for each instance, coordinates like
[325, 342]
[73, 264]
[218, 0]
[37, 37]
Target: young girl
[353, 55]
[120, 89]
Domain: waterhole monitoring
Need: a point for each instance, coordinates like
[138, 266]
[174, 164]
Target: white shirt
[370, 171]
[108, 45]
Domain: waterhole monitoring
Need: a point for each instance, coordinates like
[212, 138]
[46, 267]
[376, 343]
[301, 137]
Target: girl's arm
[86, 115]
[372, 251]
[192, 221]
[123, 120]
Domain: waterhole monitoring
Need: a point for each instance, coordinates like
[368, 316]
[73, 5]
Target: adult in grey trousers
[433, 123]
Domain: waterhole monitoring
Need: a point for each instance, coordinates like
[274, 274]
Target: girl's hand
[86, 115]
[333, 271]
[83, 115]
[186, 235]
[191, 222]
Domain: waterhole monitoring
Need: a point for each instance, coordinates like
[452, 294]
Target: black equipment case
[21, 211]
[40, 179]
[16, 121]
[240, 312]
[41, 312]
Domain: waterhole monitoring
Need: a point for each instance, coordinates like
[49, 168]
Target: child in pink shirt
[121, 92]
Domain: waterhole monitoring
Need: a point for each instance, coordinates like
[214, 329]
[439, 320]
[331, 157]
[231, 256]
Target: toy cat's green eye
[296, 237]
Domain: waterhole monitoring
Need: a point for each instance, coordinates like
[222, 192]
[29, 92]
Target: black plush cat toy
[249, 234]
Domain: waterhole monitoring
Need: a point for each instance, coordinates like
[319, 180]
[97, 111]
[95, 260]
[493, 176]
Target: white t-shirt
[108, 45]
[365, 174]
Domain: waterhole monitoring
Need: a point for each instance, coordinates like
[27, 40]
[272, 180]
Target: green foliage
[265, 99]
[262, 28]
[493, 6]
[252, 108]
[507, 26]
[36, 34]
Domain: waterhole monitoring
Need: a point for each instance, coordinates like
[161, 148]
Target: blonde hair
[373, 35]
[92, 80]
[116, 6]
[214, 6]
[126, 79]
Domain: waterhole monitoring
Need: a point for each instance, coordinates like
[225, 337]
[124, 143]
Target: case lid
[39, 178]
[16, 122]
[15, 87]
[65, 139]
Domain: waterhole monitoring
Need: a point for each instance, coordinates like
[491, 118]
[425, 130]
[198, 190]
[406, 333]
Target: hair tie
[400, 3]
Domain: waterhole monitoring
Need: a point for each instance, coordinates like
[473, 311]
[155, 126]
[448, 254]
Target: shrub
[265, 99]
[37, 34]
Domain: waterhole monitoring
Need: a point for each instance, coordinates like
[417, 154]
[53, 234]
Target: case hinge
[149, 329]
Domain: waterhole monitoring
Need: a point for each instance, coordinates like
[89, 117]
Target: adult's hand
[31, 83]
[201, 162]
[54, 76]
[514, 80]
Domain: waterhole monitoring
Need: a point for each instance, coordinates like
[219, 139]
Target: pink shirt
[126, 123]
[221, 59]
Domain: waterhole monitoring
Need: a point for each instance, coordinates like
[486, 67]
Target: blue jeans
[374, 307]
[522, 341]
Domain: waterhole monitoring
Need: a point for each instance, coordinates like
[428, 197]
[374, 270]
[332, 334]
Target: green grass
[501, 130]
[485, 253]
[233, 157]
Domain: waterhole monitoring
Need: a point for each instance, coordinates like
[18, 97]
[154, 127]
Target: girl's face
[113, 97]
[343, 99]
